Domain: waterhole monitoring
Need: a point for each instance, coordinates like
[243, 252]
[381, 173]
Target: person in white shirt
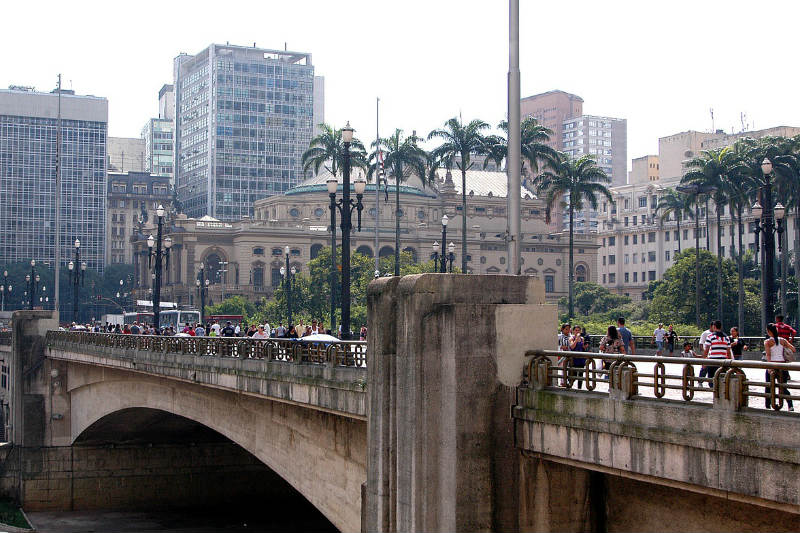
[237, 330]
[215, 328]
[658, 335]
[260, 334]
[267, 329]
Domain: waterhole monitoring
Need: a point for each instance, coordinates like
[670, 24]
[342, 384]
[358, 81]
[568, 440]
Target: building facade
[126, 154]
[245, 257]
[243, 118]
[604, 138]
[28, 133]
[158, 136]
[132, 201]
[552, 109]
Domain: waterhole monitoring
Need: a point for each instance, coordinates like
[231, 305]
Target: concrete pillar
[446, 354]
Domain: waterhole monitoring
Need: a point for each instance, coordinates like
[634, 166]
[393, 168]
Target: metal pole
[443, 266]
[768, 269]
[75, 282]
[333, 263]
[57, 251]
[287, 285]
[514, 161]
[377, 191]
[346, 226]
[157, 284]
[697, 261]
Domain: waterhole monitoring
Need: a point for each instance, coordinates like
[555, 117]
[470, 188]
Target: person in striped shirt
[718, 347]
[785, 331]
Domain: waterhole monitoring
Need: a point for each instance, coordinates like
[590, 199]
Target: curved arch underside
[320, 454]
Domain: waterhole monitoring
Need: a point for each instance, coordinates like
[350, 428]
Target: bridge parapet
[641, 419]
[330, 376]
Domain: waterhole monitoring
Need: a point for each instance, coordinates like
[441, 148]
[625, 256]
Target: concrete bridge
[455, 418]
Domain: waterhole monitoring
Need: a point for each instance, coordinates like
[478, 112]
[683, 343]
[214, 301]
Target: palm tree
[327, 149]
[402, 158]
[712, 169]
[678, 204]
[581, 180]
[460, 141]
[533, 139]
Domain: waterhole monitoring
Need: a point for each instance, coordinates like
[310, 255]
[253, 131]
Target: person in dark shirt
[228, 330]
[292, 334]
[737, 344]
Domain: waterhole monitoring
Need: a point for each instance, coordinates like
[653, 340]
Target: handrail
[724, 378]
[340, 353]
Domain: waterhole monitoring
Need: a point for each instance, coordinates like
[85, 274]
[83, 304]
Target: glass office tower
[28, 170]
[243, 118]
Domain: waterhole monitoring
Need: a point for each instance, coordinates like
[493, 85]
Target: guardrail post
[624, 383]
[731, 391]
[540, 375]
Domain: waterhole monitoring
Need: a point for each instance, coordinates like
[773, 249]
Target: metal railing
[754, 344]
[340, 353]
[619, 376]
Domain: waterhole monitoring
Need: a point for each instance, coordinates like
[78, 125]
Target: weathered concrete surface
[320, 453]
[446, 352]
[748, 456]
[328, 387]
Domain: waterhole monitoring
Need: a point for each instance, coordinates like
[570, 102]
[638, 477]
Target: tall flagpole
[56, 296]
[514, 163]
[377, 188]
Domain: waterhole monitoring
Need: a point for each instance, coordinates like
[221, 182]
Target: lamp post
[346, 207]
[32, 280]
[4, 288]
[202, 288]
[450, 255]
[769, 221]
[288, 275]
[156, 256]
[442, 264]
[435, 256]
[77, 273]
[332, 185]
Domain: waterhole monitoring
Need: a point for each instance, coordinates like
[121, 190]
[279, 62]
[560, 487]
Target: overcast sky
[662, 69]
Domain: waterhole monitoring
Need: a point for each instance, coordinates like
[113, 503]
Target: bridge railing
[754, 344]
[667, 378]
[340, 353]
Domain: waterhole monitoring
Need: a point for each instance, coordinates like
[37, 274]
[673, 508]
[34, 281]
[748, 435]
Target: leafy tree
[671, 302]
[582, 180]
[533, 145]
[460, 142]
[233, 305]
[592, 298]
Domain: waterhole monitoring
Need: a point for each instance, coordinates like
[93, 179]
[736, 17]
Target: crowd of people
[214, 329]
[714, 345]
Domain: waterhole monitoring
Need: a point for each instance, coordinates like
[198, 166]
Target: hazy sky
[662, 69]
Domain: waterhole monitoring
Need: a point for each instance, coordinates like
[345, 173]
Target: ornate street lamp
[769, 222]
[202, 287]
[450, 255]
[32, 280]
[158, 254]
[288, 277]
[443, 263]
[4, 288]
[77, 273]
[346, 207]
[435, 256]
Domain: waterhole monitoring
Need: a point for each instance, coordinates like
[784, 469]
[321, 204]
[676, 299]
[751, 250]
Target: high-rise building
[604, 138]
[158, 136]
[243, 118]
[126, 154]
[551, 109]
[28, 133]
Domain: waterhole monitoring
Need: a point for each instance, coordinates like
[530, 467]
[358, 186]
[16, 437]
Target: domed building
[245, 257]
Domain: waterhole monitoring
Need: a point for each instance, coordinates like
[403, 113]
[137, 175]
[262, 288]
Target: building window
[643, 201]
[666, 255]
[612, 241]
[651, 256]
[604, 278]
[635, 239]
[277, 251]
[651, 237]
[258, 251]
[627, 277]
[604, 260]
[685, 234]
[294, 212]
[651, 275]
[627, 203]
[276, 277]
[722, 251]
[612, 259]
[612, 278]
[635, 277]
[626, 222]
[626, 239]
[318, 212]
[666, 236]
[626, 259]
[295, 251]
[549, 283]
[653, 202]
[580, 273]
[634, 219]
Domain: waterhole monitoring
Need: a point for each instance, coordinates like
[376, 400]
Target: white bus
[178, 318]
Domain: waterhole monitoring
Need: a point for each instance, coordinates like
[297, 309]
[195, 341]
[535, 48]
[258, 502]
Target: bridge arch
[295, 442]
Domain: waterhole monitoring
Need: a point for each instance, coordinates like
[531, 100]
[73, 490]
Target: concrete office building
[126, 154]
[28, 121]
[552, 109]
[158, 136]
[132, 201]
[244, 117]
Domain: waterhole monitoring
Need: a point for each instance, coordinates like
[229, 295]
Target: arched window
[277, 251]
[581, 273]
[258, 276]
[258, 251]
[216, 268]
[386, 251]
[364, 250]
[412, 251]
[315, 250]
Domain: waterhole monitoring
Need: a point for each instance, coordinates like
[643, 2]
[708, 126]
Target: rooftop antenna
[711, 110]
[285, 46]
[743, 119]
[254, 44]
